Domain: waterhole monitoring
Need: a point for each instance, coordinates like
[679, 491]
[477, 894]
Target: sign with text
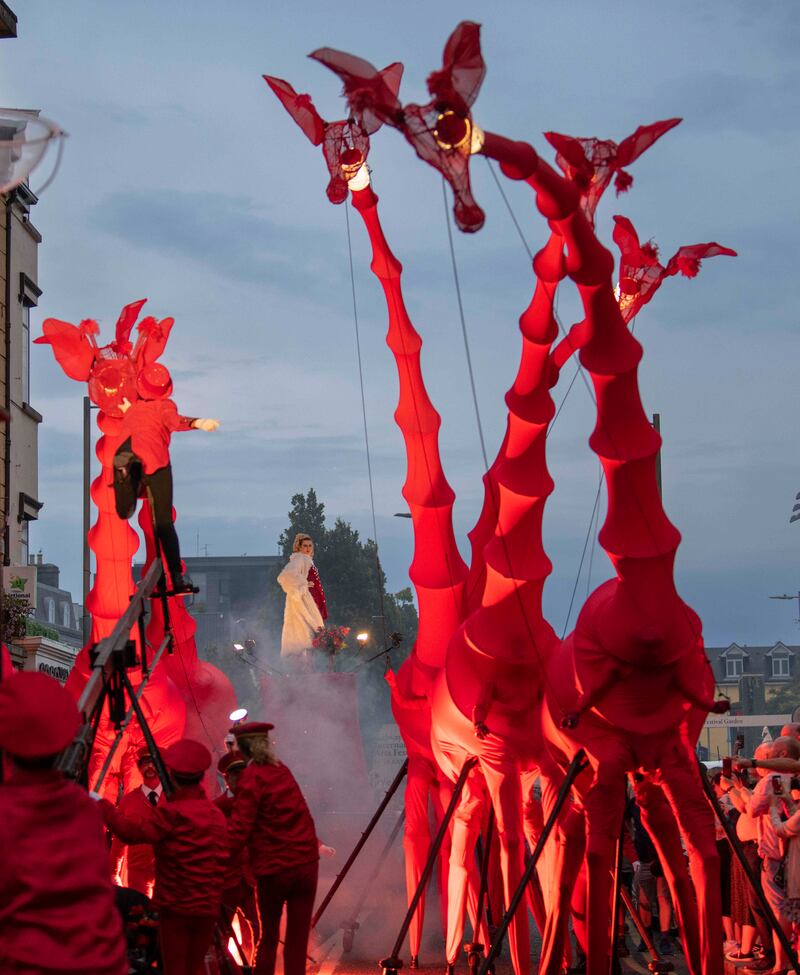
[747, 720]
[20, 580]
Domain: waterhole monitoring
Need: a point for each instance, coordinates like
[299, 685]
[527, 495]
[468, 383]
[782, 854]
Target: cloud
[226, 235]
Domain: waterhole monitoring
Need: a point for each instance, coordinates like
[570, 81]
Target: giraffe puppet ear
[72, 347]
[300, 107]
[687, 259]
[371, 95]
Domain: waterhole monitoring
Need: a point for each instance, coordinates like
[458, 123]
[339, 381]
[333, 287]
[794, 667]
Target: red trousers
[185, 939]
[296, 888]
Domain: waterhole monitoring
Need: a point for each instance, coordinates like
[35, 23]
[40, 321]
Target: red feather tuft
[623, 182]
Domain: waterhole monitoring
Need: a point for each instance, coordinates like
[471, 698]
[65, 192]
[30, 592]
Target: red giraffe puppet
[658, 635]
[111, 372]
[496, 658]
[437, 571]
[633, 673]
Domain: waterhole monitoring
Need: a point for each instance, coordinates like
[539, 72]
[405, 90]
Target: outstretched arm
[611, 670]
[686, 683]
[150, 828]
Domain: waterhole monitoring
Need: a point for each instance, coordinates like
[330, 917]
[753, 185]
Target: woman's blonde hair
[259, 749]
[299, 538]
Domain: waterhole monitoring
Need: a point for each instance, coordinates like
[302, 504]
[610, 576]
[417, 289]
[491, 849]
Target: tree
[351, 573]
[786, 699]
[306, 515]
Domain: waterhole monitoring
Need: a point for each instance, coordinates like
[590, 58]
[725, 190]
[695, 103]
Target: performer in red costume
[138, 861]
[240, 884]
[191, 850]
[271, 818]
[57, 911]
[142, 459]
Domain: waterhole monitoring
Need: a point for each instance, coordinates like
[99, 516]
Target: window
[24, 544]
[734, 666]
[780, 666]
[50, 604]
[66, 615]
[26, 352]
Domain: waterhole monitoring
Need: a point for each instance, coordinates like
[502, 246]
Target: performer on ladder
[142, 460]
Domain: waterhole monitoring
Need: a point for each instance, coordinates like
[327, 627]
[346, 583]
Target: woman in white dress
[301, 616]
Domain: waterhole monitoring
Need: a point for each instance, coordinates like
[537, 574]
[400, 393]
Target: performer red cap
[154, 382]
[251, 728]
[230, 760]
[187, 757]
[37, 716]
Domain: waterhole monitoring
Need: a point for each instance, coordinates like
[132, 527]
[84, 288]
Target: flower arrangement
[331, 638]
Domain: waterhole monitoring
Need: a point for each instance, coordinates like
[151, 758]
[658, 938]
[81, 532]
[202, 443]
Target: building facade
[751, 677]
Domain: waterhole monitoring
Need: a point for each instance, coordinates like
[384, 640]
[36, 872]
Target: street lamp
[785, 596]
[238, 716]
[362, 637]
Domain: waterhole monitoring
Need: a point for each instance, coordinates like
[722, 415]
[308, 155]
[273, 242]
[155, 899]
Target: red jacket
[150, 424]
[271, 818]
[190, 843]
[140, 859]
[239, 864]
[56, 898]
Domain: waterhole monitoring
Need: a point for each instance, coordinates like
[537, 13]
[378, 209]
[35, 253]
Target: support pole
[115, 743]
[87, 477]
[392, 964]
[360, 845]
[351, 925]
[155, 754]
[736, 846]
[613, 955]
[658, 965]
[474, 948]
[576, 766]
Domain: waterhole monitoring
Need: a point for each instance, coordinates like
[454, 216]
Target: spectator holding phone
[783, 753]
[789, 832]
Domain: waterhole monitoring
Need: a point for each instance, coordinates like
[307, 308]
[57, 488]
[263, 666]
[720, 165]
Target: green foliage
[354, 582]
[35, 628]
[15, 612]
[786, 699]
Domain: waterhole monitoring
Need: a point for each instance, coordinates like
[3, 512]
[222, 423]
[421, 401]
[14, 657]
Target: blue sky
[184, 181]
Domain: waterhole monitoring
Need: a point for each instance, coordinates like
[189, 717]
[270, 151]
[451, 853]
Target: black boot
[182, 584]
[414, 963]
[127, 482]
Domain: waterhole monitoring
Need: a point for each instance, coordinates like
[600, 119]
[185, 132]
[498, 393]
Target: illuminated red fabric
[345, 144]
[189, 838]
[150, 425]
[139, 858]
[317, 592]
[207, 693]
[270, 817]
[73, 346]
[454, 88]
[56, 898]
[6, 667]
[591, 163]
[437, 570]
[641, 274]
[112, 540]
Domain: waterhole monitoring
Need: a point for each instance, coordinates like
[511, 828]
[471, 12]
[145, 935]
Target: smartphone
[777, 785]
[738, 748]
[727, 767]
